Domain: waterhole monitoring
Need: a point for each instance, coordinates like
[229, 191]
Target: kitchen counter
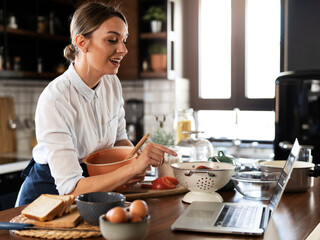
[14, 162]
[297, 217]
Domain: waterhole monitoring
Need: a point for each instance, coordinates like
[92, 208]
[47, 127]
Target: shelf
[160, 35]
[149, 74]
[28, 74]
[33, 34]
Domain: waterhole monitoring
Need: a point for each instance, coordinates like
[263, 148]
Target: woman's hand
[153, 154]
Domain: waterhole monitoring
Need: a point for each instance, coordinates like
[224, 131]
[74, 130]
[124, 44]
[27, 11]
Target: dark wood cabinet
[33, 34]
[169, 37]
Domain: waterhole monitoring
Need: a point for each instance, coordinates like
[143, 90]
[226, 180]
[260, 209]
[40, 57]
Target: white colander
[203, 183]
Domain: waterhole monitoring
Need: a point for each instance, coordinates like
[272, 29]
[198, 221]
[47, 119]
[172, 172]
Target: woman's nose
[123, 49]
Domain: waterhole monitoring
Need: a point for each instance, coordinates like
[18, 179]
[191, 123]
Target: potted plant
[155, 15]
[158, 57]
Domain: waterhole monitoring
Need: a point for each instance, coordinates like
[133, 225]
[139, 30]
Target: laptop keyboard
[237, 216]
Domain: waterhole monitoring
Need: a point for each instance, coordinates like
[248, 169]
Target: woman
[82, 111]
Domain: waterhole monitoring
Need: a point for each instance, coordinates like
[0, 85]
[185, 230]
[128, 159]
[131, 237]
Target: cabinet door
[129, 65]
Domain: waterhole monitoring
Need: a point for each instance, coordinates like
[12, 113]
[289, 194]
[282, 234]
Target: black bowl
[92, 205]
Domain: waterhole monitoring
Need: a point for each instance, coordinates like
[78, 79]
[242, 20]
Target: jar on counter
[183, 122]
[41, 26]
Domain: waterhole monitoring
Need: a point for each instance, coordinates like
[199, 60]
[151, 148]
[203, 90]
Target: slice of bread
[44, 208]
[67, 200]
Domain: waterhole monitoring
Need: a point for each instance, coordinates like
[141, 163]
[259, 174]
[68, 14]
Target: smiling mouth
[115, 62]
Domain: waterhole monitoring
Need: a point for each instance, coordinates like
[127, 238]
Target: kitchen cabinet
[169, 36]
[300, 43]
[33, 34]
[129, 65]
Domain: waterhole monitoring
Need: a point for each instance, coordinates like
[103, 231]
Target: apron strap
[26, 171]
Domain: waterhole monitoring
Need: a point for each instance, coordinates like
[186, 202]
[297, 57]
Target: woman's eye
[125, 42]
[112, 41]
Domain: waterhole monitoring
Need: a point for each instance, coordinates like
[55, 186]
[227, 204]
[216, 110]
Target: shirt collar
[79, 84]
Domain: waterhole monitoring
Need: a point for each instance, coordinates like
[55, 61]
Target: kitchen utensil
[8, 141]
[149, 193]
[194, 148]
[255, 185]
[124, 231]
[138, 146]
[108, 160]
[302, 175]
[221, 157]
[12, 123]
[92, 205]
[203, 183]
[27, 226]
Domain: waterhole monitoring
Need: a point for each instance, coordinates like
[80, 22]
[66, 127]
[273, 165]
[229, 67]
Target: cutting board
[142, 193]
[68, 221]
[7, 136]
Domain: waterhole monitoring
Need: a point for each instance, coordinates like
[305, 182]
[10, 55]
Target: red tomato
[173, 180]
[162, 183]
[203, 167]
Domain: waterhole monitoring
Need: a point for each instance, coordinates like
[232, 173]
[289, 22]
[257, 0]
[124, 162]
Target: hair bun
[69, 52]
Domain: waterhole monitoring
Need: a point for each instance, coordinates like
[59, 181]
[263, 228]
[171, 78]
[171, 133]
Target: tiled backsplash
[161, 97]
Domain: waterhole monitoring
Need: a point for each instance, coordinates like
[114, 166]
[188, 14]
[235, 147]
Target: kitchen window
[239, 61]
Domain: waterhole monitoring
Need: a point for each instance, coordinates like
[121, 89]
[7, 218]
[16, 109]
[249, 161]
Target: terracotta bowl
[108, 160]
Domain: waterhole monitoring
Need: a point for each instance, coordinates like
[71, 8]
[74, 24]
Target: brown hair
[86, 19]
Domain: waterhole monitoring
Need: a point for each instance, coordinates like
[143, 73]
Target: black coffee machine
[297, 112]
[134, 118]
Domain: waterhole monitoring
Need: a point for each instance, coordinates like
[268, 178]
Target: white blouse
[73, 120]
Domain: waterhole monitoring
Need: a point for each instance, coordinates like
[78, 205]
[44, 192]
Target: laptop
[236, 218]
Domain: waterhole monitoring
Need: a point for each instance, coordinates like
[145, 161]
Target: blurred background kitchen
[248, 70]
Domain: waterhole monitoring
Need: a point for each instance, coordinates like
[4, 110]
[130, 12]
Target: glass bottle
[183, 122]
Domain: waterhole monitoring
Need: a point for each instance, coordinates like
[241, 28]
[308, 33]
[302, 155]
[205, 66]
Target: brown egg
[135, 218]
[139, 208]
[117, 215]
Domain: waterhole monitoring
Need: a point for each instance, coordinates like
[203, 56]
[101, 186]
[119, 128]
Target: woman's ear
[82, 43]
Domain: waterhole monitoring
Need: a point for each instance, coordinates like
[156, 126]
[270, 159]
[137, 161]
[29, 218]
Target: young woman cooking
[82, 111]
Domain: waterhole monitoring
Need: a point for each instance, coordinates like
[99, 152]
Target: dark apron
[38, 180]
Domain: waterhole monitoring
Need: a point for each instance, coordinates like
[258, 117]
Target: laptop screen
[284, 176]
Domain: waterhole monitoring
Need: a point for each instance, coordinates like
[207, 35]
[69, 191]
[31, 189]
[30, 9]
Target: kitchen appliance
[134, 118]
[297, 111]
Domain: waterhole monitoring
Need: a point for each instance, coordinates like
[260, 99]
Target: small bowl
[92, 205]
[255, 185]
[124, 231]
[108, 160]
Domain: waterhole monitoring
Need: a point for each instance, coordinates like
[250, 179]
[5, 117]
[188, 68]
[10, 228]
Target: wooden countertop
[296, 217]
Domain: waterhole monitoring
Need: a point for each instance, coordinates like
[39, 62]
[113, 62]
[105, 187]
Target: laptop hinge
[266, 217]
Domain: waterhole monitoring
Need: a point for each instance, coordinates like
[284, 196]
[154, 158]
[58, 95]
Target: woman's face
[107, 46]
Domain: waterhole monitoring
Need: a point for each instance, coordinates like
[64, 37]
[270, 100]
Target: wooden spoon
[138, 146]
